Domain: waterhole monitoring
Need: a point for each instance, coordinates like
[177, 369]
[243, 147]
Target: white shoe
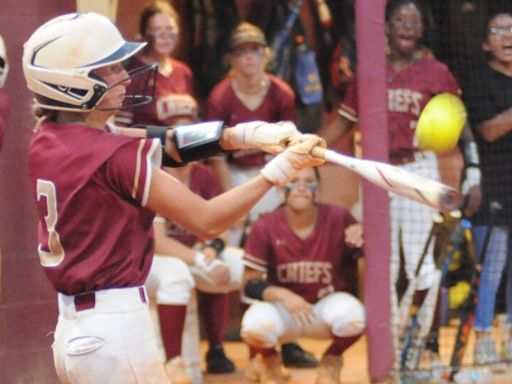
[485, 351]
[177, 371]
[507, 350]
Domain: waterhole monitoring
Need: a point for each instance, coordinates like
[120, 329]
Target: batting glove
[269, 137]
[297, 156]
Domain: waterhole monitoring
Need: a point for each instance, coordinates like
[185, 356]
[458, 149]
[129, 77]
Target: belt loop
[142, 294]
[85, 301]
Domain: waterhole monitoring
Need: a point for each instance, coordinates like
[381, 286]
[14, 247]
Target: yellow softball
[440, 123]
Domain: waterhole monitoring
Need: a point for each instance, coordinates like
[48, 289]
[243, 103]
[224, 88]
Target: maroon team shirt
[204, 183]
[311, 267]
[408, 92]
[173, 101]
[95, 212]
[5, 111]
[224, 104]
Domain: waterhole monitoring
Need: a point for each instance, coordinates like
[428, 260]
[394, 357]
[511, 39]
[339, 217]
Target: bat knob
[450, 200]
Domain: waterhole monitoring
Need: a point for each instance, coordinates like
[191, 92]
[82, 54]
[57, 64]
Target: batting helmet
[4, 63]
[59, 57]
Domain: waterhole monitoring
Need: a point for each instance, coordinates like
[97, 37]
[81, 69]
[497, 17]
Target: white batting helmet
[4, 63]
[59, 57]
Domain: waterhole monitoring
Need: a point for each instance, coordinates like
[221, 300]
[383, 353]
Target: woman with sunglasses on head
[300, 265]
[174, 101]
[97, 193]
[249, 93]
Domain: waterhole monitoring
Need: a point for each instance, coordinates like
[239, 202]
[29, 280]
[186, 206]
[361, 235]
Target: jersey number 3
[55, 253]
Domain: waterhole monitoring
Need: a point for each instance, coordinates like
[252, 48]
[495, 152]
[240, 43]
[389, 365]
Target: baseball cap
[246, 33]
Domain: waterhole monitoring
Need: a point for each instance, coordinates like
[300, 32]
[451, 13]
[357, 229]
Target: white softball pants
[113, 342]
[171, 280]
[266, 324]
[413, 220]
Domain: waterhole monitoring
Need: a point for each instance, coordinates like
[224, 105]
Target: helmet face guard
[141, 90]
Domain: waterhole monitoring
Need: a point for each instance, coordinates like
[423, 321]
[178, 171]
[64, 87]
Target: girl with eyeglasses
[174, 101]
[488, 97]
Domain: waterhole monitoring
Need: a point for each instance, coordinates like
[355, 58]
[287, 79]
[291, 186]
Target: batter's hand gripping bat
[396, 180]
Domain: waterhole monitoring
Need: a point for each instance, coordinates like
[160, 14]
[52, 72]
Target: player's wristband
[472, 177]
[254, 288]
[470, 154]
[160, 132]
[198, 141]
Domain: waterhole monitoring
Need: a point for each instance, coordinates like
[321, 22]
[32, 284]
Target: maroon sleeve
[5, 112]
[257, 246]
[445, 80]
[129, 169]
[348, 108]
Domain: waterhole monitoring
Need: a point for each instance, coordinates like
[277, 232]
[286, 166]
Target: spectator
[488, 96]
[249, 93]
[181, 258]
[174, 101]
[300, 263]
[413, 77]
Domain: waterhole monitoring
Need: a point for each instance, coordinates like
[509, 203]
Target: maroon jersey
[277, 105]
[311, 267]
[5, 111]
[91, 189]
[408, 92]
[173, 100]
[204, 183]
